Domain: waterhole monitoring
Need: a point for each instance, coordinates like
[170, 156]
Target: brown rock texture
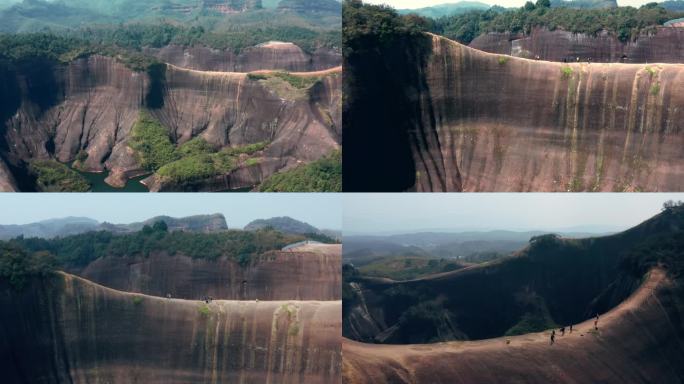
[64, 329]
[273, 55]
[93, 103]
[7, 183]
[635, 343]
[488, 122]
[298, 274]
[665, 45]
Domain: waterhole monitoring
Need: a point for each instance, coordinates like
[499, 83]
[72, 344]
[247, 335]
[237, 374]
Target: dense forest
[624, 22]
[64, 31]
[79, 250]
[383, 23]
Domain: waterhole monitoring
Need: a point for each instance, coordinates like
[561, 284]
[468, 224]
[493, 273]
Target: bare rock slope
[459, 119]
[65, 329]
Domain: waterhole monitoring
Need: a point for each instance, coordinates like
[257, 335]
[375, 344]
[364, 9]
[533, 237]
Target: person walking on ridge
[596, 322]
[553, 336]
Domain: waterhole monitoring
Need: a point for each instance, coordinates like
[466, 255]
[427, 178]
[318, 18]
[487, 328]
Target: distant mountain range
[199, 223]
[287, 224]
[74, 225]
[449, 9]
[362, 249]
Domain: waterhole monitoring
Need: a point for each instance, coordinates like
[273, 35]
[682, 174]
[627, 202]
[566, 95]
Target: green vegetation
[624, 22]
[17, 265]
[503, 60]
[381, 24]
[256, 76]
[151, 142]
[299, 82]
[407, 267]
[192, 161]
[655, 89]
[203, 310]
[323, 175]
[197, 160]
[53, 176]
[137, 300]
[79, 250]
[651, 71]
[566, 72]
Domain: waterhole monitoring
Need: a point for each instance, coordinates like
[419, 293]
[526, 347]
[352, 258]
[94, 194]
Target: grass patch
[566, 72]
[151, 143]
[655, 89]
[256, 76]
[137, 300]
[196, 146]
[203, 310]
[651, 71]
[53, 176]
[299, 82]
[502, 60]
[248, 149]
[324, 175]
[294, 329]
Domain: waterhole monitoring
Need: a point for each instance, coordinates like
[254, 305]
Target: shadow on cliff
[381, 82]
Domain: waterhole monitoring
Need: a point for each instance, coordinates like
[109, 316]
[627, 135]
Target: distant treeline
[79, 250]
[384, 23]
[127, 41]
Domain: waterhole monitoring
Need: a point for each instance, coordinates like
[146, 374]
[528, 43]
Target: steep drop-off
[458, 119]
[552, 281]
[297, 274]
[90, 106]
[638, 342]
[272, 55]
[665, 45]
[63, 329]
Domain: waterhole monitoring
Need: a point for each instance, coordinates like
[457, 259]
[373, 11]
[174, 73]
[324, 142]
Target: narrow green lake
[97, 182]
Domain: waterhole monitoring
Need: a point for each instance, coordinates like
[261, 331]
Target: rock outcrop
[63, 329]
[277, 275]
[665, 45]
[638, 342]
[457, 119]
[91, 105]
[7, 183]
[272, 55]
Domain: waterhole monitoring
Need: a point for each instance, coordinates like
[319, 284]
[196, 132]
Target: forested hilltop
[624, 22]
[67, 30]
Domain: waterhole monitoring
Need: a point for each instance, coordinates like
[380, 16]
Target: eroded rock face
[274, 55]
[67, 330]
[666, 45]
[473, 121]
[278, 275]
[7, 183]
[92, 104]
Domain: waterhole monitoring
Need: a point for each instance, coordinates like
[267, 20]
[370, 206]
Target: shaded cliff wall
[65, 329]
[7, 183]
[493, 123]
[93, 103]
[666, 45]
[271, 276]
[640, 342]
[282, 56]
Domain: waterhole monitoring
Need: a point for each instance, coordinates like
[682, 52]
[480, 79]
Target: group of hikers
[562, 329]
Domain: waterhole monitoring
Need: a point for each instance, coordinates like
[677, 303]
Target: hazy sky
[391, 213]
[319, 210]
[504, 3]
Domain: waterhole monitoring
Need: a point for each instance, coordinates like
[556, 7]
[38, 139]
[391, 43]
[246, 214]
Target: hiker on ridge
[596, 322]
[553, 336]
[562, 330]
